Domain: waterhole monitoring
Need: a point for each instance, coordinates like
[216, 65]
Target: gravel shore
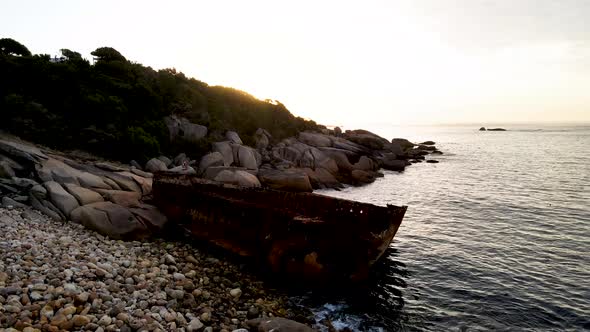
[61, 276]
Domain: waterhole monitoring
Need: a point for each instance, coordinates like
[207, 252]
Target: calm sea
[496, 237]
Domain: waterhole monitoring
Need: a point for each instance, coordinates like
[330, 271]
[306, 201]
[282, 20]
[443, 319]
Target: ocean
[496, 236]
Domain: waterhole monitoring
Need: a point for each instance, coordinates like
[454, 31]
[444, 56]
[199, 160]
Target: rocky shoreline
[57, 274]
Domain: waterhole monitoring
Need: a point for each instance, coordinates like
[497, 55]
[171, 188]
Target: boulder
[64, 201]
[427, 143]
[277, 324]
[145, 184]
[124, 182]
[135, 164]
[37, 204]
[21, 151]
[340, 157]
[141, 173]
[123, 198]
[56, 170]
[362, 177]
[288, 180]
[83, 195]
[238, 177]
[321, 178]
[262, 139]
[226, 151]
[482, 129]
[365, 164]
[212, 172]
[9, 202]
[6, 170]
[165, 160]
[245, 156]
[209, 160]
[109, 167]
[496, 129]
[390, 163]
[233, 137]
[366, 139]
[180, 158]
[10, 162]
[112, 184]
[314, 139]
[396, 147]
[404, 143]
[111, 220]
[38, 191]
[344, 144]
[150, 216]
[155, 165]
[182, 170]
[181, 128]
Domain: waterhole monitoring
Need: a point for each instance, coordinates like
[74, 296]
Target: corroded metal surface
[303, 235]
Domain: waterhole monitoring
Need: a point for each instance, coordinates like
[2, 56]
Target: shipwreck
[300, 235]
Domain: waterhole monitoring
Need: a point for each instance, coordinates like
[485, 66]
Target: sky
[346, 63]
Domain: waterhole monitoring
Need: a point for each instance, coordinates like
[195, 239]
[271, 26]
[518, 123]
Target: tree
[71, 55]
[10, 46]
[107, 54]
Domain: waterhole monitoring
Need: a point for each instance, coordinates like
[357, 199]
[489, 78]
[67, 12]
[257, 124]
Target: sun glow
[346, 62]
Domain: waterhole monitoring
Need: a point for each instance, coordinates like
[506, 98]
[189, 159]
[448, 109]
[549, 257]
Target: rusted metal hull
[302, 235]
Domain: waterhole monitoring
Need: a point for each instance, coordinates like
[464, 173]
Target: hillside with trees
[115, 108]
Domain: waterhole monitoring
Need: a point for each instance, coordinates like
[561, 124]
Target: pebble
[60, 276]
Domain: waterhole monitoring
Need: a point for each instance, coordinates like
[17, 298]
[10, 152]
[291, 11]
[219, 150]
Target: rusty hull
[302, 235]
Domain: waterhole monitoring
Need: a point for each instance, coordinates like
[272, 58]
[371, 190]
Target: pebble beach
[58, 276]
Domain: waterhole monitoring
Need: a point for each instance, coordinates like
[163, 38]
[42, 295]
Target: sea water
[496, 236]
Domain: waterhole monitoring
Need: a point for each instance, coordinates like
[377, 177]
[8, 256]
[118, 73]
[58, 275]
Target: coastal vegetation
[115, 108]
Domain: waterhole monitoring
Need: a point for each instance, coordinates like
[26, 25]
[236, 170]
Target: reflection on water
[496, 237]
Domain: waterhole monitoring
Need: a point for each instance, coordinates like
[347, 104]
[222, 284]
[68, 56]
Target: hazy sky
[347, 63]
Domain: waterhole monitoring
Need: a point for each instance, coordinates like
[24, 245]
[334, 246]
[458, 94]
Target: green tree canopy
[107, 54]
[10, 46]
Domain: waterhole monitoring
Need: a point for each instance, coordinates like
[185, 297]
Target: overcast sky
[347, 63]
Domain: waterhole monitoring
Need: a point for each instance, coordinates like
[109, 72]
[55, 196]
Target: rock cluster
[56, 276]
[101, 196]
[312, 160]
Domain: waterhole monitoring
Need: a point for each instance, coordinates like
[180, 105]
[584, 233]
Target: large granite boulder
[226, 151]
[237, 177]
[314, 139]
[145, 184]
[181, 128]
[262, 139]
[212, 172]
[209, 160]
[245, 156]
[58, 171]
[341, 158]
[180, 158]
[233, 137]
[21, 151]
[396, 147]
[155, 165]
[165, 160]
[390, 162]
[111, 220]
[124, 182]
[83, 195]
[404, 143]
[360, 177]
[366, 139]
[63, 200]
[150, 216]
[123, 198]
[366, 164]
[277, 324]
[321, 178]
[287, 180]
